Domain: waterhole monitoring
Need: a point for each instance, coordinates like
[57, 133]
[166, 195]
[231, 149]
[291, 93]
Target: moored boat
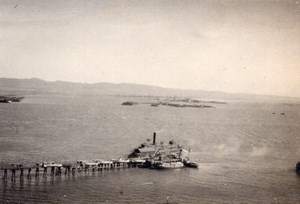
[171, 165]
[190, 164]
[161, 156]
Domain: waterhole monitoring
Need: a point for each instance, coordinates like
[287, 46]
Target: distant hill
[9, 86]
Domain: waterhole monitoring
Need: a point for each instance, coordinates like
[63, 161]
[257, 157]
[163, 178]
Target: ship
[162, 156]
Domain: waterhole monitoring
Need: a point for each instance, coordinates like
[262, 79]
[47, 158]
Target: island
[10, 99]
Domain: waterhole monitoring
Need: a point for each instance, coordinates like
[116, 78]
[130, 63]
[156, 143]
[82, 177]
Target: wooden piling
[73, 171]
[22, 172]
[5, 174]
[37, 171]
[66, 169]
[13, 174]
[58, 171]
[29, 175]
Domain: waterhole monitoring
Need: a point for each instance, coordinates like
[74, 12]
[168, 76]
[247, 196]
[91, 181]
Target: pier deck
[14, 171]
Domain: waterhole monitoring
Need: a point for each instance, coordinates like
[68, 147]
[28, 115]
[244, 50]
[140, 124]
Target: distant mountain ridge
[37, 86]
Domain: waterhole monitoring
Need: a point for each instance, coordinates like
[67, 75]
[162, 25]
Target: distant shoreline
[34, 86]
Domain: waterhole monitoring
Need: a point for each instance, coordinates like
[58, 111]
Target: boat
[190, 164]
[168, 164]
[161, 156]
[172, 165]
[149, 150]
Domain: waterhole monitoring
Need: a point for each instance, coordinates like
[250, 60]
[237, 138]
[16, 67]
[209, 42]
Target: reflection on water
[152, 186]
[114, 186]
[246, 153]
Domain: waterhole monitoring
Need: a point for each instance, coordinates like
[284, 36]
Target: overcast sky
[233, 46]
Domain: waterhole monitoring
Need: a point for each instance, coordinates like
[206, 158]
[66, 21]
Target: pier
[21, 171]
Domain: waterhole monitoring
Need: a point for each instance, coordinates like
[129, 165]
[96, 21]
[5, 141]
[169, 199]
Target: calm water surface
[246, 153]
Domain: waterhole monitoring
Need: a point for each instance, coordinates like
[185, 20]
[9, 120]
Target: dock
[21, 171]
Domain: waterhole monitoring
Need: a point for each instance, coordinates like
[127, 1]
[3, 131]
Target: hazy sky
[234, 46]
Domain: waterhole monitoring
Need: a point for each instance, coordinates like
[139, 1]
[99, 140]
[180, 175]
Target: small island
[176, 102]
[10, 99]
[129, 103]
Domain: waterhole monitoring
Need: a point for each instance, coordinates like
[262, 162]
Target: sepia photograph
[150, 101]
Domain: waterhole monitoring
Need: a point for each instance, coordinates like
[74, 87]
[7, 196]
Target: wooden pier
[21, 171]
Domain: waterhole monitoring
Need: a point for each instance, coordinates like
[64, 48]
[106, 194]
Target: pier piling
[22, 172]
[58, 171]
[73, 171]
[29, 175]
[5, 174]
[37, 171]
[13, 174]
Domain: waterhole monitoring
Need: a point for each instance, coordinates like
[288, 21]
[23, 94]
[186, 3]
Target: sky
[232, 46]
